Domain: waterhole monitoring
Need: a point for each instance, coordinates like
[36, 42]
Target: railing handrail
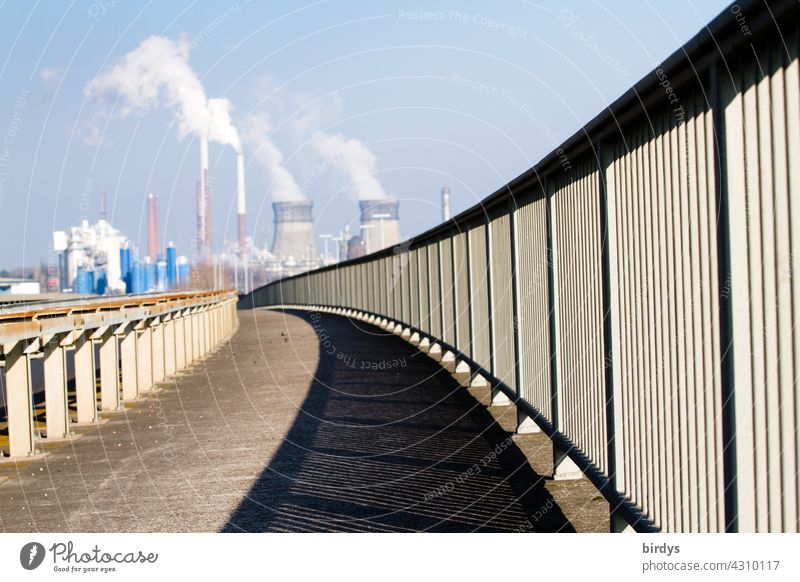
[31, 322]
[95, 303]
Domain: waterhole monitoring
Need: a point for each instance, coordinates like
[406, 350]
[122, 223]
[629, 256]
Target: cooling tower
[380, 224]
[294, 232]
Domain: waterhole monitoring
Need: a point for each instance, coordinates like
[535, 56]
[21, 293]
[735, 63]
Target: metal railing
[141, 340]
[633, 292]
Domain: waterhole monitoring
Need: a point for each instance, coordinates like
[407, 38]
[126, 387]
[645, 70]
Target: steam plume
[157, 73]
[353, 158]
[256, 134]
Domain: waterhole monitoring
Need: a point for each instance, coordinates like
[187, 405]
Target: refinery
[98, 258]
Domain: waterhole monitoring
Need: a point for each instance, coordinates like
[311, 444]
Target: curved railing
[141, 340]
[633, 292]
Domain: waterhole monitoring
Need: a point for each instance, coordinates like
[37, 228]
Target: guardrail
[633, 292]
[143, 340]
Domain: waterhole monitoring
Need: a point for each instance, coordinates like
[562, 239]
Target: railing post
[180, 340]
[215, 315]
[470, 318]
[85, 379]
[169, 345]
[202, 325]
[563, 466]
[197, 334]
[197, 330]
[55, 390]
[212, 325]
[734, 514]
[128, 345]
[19, 401]
[109, 371]
[188, 336]
[608, 239]
[425, 319]
[205, 338]
[144, 356]
[219, 323]
[454, 289]
[206, 326]
[498, 397]
[208, 332]
[525, 424]
[440, 263]
[157, 331]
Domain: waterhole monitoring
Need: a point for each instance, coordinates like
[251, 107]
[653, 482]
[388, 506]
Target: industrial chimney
[153, 223]
[240, 201]
[445, 204]
[294, 232]
[380, 224]
[198, 245]
[204, 204]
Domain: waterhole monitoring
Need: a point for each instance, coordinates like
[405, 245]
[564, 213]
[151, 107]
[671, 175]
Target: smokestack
[240, 201]
[294, 232]
[204, 204]
[445, 204]
[380, 223]
[152, 226]
[198, 219]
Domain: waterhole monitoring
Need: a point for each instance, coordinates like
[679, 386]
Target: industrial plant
[99, 258]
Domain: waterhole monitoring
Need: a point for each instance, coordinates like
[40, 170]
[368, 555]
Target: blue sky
[457, 93]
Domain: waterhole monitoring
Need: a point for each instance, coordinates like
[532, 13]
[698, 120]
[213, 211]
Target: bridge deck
[280, 432]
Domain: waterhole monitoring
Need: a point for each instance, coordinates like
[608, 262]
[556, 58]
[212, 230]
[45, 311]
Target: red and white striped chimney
[152, 226]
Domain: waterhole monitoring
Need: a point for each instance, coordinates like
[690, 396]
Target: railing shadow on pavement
[398, 449]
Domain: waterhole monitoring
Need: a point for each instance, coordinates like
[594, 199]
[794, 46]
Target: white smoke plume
[353, 158]
[284, 188]
[157, 73]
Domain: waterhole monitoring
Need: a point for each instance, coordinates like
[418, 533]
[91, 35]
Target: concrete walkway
[304, 422]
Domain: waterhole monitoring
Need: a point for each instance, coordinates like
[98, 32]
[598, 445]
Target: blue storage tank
[101, 283]
[161, 275]
[172, 267]
[183, 271]
[136, 278]
[125, 267]
[84, 281]
[149, 275]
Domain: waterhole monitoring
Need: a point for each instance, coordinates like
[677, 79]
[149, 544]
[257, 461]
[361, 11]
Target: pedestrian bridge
[633, 293]
[272, 431]
[608, 341]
